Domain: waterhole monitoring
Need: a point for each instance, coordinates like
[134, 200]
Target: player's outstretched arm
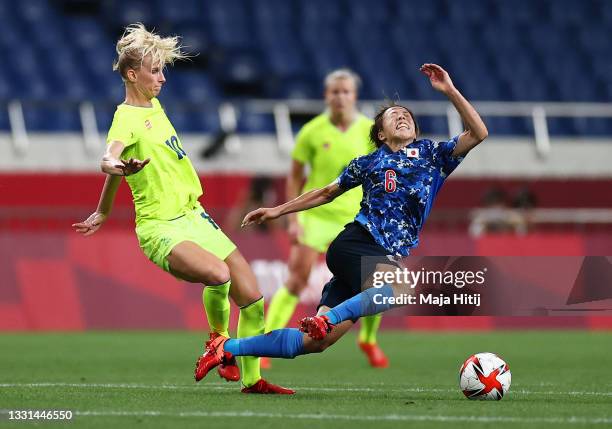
[113, 164]
[97, 218]
[475, 129]
[314, 198]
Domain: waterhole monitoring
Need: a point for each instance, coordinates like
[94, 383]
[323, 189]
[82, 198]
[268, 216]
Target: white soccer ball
[484, 376]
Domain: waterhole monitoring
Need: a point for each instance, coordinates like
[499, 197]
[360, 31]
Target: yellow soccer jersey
[328, 151]
[168, 186]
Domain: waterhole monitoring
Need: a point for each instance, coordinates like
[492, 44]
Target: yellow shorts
[158, 237]
[318, 233]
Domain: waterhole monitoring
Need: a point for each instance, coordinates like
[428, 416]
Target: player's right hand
[131, 166]
[259, 216]
[91, 224]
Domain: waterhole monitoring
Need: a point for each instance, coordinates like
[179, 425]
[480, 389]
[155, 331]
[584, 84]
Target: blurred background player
[400, 180]
[173, 229]
[325, 145]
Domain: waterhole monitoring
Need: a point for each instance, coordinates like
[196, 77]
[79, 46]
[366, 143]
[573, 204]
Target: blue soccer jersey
[399, 189]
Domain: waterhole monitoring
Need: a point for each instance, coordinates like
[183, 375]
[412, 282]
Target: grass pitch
[144, 379]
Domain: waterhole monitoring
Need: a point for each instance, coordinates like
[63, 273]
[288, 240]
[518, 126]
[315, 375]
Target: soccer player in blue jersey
[400, 181]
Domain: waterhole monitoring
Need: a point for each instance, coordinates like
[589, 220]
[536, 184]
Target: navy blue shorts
[346, 259]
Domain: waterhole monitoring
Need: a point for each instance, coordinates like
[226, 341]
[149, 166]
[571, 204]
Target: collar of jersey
[385, 147]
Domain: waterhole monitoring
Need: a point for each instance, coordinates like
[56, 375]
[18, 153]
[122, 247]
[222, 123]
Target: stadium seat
[316, 12]
[250, 121]
[51, 117]
[194, 86]
[561, 126]
[571, 12]
[520, 11]
[104, 115]
[469, 11]
[366, 12]
[520, 50]
[590, 127]
[126, 12]
[418, 12]
[5, 125]
[433, 126]
[272, 12]
[184, 11]
[293, 88]
[508, 126]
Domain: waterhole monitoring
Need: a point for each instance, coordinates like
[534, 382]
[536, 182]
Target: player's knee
[218, 274]
[295, 285]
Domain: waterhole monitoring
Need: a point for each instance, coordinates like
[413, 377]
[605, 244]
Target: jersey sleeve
[353, 175]
[442, 153]
[302, 151]
[120, 130]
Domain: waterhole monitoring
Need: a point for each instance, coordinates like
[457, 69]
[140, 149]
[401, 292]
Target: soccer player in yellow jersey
[173, 229]
[326, 144]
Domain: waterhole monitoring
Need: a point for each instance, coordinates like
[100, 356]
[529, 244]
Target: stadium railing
[538, 113]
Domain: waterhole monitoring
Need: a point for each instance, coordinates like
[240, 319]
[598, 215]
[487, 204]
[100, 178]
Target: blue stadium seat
[605, 11]
[593, 126]
[521, 11]
[316, 12]
[34, 11]
[4, 119]
[367, 12]
[506, 36]
[87, 33]
[596, 39]
[531, 88]
[561, 126]
[50, 118]
[104, 115]
[272, 12]
[194, 39]
[294, 89]
[547, 38]
[433, 125]
[124, 12]
[327, 58]
[194, 86]
[602, 68]
[508, 126]
[418, 12]
[239, 67]
[252, 122]
[470, 11]
[183, 11]
[571, 12]
[191, 120]
[524, 50]
[285, 60]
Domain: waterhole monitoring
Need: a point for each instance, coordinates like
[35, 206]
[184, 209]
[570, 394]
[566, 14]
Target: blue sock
[281, 343]
[363, 304]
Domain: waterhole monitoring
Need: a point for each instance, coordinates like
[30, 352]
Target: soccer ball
[484, 376]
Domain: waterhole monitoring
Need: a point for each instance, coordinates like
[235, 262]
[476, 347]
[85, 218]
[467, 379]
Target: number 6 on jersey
[390, 181]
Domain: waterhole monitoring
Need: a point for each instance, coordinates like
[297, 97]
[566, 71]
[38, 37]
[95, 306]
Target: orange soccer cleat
[375, 355]
[317, 327]
[263, 387]
[213, 356]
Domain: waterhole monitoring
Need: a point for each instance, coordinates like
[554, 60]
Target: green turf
[560, 379]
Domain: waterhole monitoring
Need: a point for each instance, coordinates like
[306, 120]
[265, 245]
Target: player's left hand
[438, 77]
[259, 216]
[91, 224]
